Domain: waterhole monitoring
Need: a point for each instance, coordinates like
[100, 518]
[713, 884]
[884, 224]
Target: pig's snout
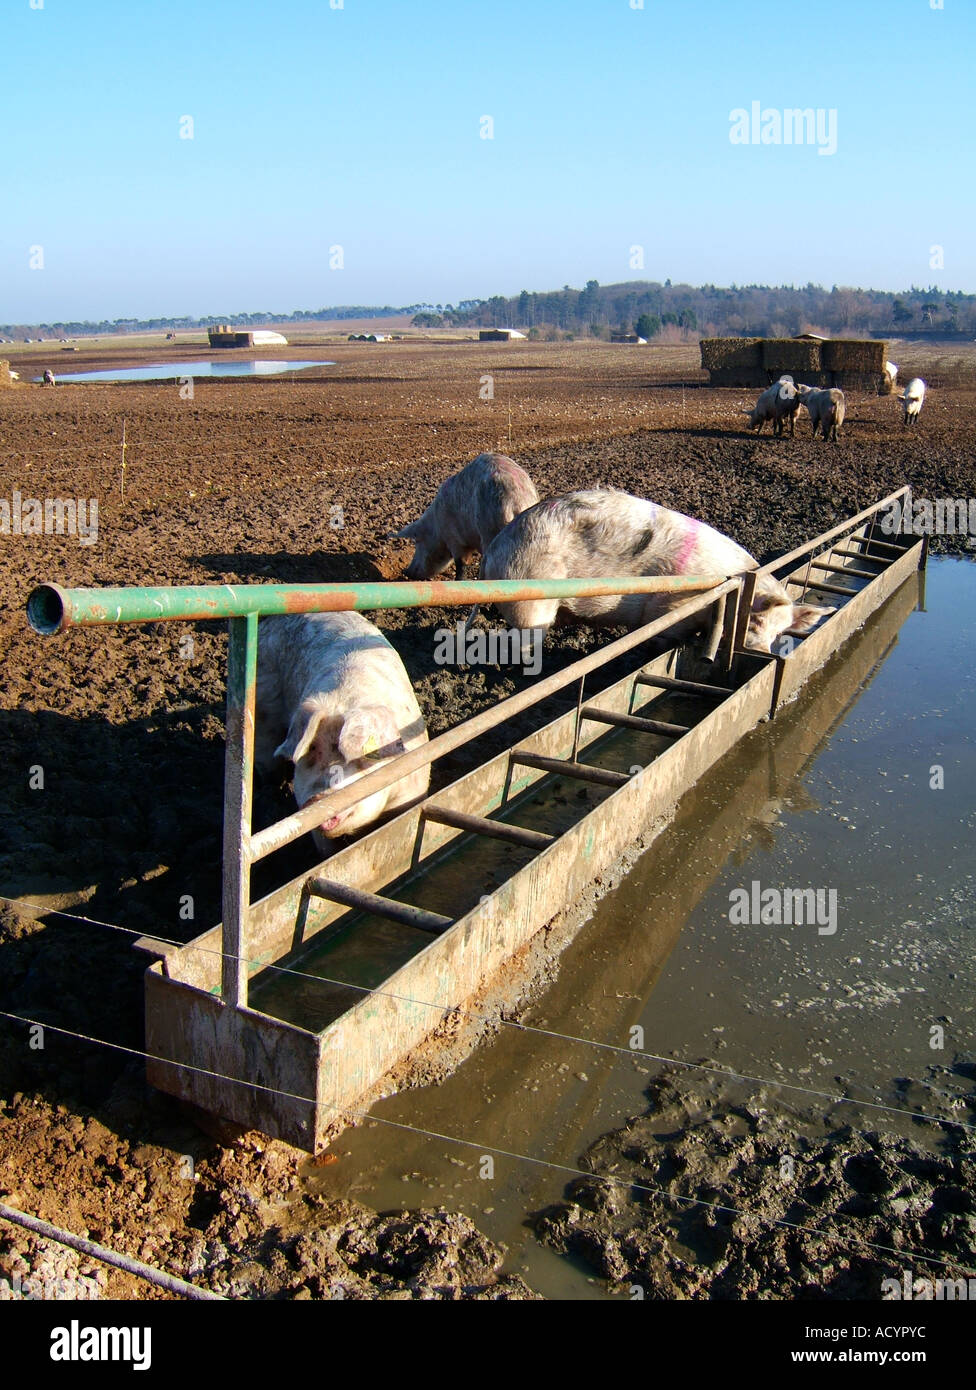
[331, 824]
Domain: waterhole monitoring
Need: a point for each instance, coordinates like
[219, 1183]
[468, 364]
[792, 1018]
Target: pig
[601, 533]
[470, 508]
[826, 409]
[778, 403]
[333, 698]
[49, 377]
[912, 398]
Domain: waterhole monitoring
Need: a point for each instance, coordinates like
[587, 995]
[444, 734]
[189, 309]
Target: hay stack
[5, 378]
[865, 356]
[738, 376]
[871, 382]
[731, 354]
[795, 355]
[821, 379]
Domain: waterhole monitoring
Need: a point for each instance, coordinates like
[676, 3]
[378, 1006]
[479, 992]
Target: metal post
[579, 719]
[746, 598]
[242, 667]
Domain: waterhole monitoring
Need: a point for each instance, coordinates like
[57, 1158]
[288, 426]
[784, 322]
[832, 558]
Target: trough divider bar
[684, 687]
[634, 721]
[276, 836]
[561, 767]
[843, 569]
[885, 545]
[481, 825]
[860, 555]
[822, 585]
[358, 898]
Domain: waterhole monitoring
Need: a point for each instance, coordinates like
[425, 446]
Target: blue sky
[360, 127]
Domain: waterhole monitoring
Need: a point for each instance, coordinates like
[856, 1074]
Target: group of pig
[780, 404]
[333, 697]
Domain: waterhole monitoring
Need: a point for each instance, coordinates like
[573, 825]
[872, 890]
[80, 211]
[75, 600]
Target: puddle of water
[835, 793]
[172, 371]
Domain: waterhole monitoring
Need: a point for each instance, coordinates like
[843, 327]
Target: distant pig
[470, 508]
[912, 398]
[604, 533]
[825, 408]
[334, 699]
[778, 403]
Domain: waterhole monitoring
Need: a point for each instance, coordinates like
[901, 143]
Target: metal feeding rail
[353, 911]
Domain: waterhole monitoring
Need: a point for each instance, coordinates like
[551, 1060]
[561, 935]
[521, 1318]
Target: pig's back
[310, 653]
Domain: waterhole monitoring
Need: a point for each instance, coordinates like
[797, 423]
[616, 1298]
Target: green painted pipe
[51, 609]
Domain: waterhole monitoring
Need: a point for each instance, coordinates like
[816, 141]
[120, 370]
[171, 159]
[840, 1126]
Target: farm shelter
[223, 336]
[854, 364]
[498, 335]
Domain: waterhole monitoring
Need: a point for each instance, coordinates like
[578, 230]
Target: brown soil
[127, 724]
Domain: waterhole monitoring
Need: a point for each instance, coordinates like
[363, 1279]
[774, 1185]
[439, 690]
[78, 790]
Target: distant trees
[752, 310]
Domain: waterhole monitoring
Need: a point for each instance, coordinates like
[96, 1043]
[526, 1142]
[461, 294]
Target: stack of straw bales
[851, 363]
[856, 364]
[798, 356]
[733, 361]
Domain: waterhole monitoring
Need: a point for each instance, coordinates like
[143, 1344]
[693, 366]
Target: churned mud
[720, 1193]
[111, 740]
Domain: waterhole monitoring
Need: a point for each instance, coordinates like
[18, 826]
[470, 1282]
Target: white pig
[912, 398]
[778, 403]
[826, 409]
[334, 698]
[470, 508]
[602, 533]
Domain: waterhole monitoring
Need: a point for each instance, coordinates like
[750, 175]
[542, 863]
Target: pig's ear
[806, 616]
[301, 733]
[405, 533]
[370, 732]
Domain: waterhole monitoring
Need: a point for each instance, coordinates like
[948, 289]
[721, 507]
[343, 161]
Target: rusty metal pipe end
[46, 609]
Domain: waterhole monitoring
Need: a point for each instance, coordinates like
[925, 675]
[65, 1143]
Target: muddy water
[837, 793]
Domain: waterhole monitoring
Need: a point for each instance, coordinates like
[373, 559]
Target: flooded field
[173, 371]
[836, 793]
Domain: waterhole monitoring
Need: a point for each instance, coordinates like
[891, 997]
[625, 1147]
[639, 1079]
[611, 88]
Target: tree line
[649, 307]
[646, 307]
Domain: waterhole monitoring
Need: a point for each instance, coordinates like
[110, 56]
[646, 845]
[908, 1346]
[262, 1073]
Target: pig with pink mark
[470, 508]
[334, 699]
[602, 533]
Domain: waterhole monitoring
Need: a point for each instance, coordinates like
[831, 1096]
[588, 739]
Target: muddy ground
[111, 740]
[714, 1193]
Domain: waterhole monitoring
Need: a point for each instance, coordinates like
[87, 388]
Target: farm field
[299, 479]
